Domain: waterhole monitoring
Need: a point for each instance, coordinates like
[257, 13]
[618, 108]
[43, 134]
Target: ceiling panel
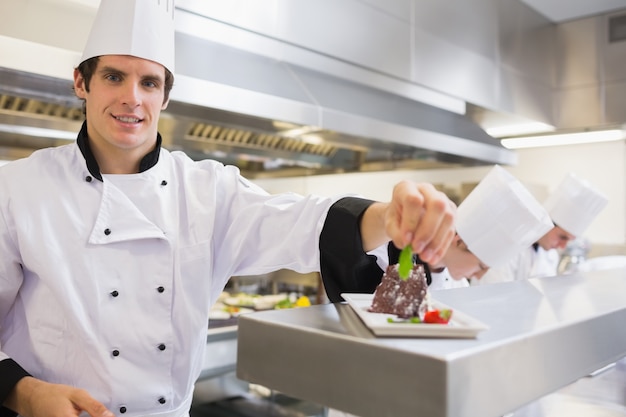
[562, 10]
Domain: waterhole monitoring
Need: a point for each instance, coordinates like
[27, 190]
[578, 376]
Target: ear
[79, 85]
[164, 106]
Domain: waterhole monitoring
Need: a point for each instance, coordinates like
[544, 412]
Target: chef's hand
[418, 214]
[35, 398]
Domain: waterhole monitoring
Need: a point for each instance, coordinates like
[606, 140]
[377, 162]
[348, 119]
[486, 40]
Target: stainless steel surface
[564, 10]
[220, 356]
[378, 85]
[544, 335]
[314, 104]
[601, 394]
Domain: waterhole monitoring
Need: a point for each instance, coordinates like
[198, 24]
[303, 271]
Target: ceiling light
[519, 129]
[563, 139]
[38, 132]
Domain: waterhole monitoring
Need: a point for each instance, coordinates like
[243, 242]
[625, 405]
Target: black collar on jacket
[82, 140]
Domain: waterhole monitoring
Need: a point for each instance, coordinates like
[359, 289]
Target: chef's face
[462, 263]
[556, 238]
[123, 103]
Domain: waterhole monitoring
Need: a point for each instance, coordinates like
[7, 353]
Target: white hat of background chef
[500, 218]
[574, 204]
[141, 28]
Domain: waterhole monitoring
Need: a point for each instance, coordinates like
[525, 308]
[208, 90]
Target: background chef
[572, 206]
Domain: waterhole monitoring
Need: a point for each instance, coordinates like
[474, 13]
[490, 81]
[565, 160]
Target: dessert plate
[460, 325]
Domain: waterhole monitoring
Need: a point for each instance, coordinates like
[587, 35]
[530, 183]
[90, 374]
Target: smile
[127, 119]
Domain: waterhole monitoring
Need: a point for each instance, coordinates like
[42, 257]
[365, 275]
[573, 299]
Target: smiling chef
[113, 249]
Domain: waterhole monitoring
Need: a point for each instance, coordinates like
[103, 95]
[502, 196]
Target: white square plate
[460, 325]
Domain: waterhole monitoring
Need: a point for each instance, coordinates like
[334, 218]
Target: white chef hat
[500, 218]
[141, 28]
[574, 204]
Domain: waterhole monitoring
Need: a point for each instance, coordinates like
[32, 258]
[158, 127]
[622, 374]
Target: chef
[496, 221]
[113, 249]
[572, 206]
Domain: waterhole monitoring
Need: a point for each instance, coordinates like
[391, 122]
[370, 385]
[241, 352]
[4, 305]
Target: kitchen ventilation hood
[269, 117]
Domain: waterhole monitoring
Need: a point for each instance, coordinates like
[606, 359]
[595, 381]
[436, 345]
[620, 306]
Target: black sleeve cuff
[344, 266]
[10, 374]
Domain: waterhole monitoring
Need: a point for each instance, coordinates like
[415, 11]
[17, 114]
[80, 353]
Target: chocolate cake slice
[405, 298]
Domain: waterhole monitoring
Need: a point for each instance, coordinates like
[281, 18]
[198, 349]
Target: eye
[113, 77]
[150, 83]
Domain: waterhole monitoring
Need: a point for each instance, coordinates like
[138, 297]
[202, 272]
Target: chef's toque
[574, 204]
[500, 218]
[141, 28]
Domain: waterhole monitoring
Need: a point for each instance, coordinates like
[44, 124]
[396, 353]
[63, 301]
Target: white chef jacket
[115, 278]
[443, 281]
[529, 263]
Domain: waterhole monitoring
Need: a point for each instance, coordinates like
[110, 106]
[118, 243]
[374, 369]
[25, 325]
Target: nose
[131, 95]
[479, 274]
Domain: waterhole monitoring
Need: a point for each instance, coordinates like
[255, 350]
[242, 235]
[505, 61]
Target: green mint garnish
[410, 320]
[405, 262]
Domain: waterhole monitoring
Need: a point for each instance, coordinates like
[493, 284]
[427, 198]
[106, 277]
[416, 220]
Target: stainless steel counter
[220, 355]
[544, 334]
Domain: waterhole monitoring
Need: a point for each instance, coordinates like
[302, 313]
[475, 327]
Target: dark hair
[88, 67]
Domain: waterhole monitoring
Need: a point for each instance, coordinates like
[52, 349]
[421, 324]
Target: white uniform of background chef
[496, 221]
[106, 277]
[572, 207]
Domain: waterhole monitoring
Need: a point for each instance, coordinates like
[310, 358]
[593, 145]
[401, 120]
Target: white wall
[541, 169]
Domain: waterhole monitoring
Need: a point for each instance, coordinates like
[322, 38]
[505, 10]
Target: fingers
[423, 217]
[85, 402]
[57, 400]
[435, 229]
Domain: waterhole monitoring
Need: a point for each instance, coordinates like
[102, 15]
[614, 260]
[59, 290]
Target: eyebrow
[108, 68]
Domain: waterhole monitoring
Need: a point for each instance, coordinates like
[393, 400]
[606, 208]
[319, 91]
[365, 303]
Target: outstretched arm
[418, 214]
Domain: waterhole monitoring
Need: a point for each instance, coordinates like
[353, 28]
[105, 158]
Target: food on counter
[255, 301]
[302, 301]
[403, 291]
[221, 311]
[438, 316]
[405, 262]
[402, 297]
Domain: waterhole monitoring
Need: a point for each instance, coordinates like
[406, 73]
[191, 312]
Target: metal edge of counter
[352, 373]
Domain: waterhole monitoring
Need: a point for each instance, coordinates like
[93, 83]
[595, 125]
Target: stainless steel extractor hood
[268, 117]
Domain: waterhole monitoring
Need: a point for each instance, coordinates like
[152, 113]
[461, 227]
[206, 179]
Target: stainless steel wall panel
[400, 9]
[207, 60]
[348, 30]
[614, 54]
[454, 70]
[580, 107]
[526, 42]
[218, 32]
[615, 99]
[578, 59]
[471, 24]
[253, 15]
[520, 95]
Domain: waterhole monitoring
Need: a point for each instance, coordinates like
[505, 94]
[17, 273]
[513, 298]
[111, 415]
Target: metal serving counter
[543, 335]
